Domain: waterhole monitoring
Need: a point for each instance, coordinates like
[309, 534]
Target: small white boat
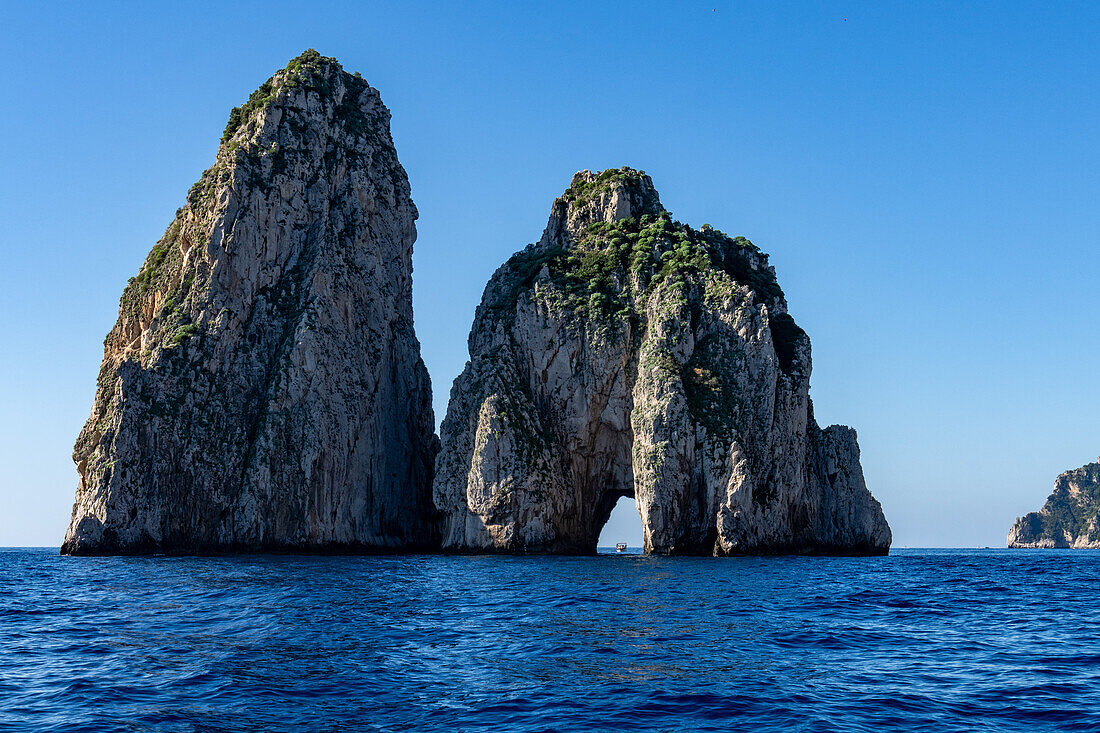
[620, 547]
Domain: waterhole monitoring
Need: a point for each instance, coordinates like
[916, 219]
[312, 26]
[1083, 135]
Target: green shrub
[183, 333]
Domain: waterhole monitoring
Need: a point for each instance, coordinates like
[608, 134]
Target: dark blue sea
[922, 640]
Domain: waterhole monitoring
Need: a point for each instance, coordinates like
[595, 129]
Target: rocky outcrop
[1069, 519]
[627, 354]
[263, 387]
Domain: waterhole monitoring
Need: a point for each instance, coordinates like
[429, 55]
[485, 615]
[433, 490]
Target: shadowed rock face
[263, 387]
[626, 354]
[1069, 519]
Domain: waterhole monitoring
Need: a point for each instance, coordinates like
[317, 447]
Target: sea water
[922, 640]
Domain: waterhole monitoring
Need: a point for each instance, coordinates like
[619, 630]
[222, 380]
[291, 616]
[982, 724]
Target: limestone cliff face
[263, 387]
[626, 354]
[1069, 519]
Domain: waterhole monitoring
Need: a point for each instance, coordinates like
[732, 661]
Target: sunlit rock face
[1070, 518]
[627, 354]
[263, 387]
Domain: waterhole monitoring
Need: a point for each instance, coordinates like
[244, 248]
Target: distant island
[263, 390]
[1069, 519]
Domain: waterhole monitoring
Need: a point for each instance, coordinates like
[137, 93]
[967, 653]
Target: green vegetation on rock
[610, 272]
[155, 273]
[309, 61]
[183, 333]
[711, 388]
[310, 71]
[582, 190]
[1067, 517]
[258, 100]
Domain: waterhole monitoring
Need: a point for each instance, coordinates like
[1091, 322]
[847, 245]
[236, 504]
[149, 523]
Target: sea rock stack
[627, 354]
[263, 388]
[1070, 519]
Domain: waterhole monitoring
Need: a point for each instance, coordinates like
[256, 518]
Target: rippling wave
[920, 641]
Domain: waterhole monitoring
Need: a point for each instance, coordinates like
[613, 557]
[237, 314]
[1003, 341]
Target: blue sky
[925, 177]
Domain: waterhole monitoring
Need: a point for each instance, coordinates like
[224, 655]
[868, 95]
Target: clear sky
[925, 176]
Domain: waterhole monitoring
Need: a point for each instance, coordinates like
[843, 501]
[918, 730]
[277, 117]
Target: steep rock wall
[263, 387]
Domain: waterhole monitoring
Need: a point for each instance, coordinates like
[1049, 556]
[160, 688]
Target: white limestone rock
[263, 387]
[625, 354]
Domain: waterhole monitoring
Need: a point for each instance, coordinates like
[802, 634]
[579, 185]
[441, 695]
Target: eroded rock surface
[1069, 519]
[263, 387]
[626, 354]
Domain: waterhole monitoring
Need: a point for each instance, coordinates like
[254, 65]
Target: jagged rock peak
[336, 90]
[1070, 518]
[609, 231]
[604, 197]
[628, 354]
[263, 387]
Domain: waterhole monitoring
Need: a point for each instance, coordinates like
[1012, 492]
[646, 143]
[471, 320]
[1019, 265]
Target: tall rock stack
[627, 354]
[263, 387]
